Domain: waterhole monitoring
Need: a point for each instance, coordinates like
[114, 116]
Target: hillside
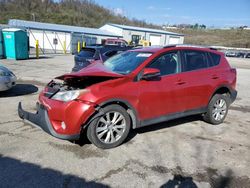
[84, 13]
[87, 13]
[216, 37]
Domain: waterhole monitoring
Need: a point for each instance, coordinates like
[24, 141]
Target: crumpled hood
[96, 69]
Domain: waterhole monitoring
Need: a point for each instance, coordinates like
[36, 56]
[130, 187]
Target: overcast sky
[218, 13]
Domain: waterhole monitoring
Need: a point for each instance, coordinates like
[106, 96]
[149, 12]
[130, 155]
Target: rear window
[109, 42]
[214, 59]
[87, 53]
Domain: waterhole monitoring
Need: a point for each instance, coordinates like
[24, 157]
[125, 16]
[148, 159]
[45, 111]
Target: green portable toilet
[1, 45]
[15, 43]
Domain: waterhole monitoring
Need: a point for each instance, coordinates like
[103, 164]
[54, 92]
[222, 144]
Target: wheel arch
[222, 89]
[126, 105]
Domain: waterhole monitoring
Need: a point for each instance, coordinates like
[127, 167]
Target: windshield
[126, 62]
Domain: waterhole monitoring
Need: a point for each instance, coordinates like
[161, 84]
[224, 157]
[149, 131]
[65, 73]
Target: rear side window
[214, 59]
[194, 60]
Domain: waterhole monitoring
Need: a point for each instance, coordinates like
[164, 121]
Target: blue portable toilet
[1, 45]
[15, 43]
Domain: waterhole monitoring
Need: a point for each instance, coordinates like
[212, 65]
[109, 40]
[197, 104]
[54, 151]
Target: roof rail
[189, 45]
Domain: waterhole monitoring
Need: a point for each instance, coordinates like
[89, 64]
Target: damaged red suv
[133, 89]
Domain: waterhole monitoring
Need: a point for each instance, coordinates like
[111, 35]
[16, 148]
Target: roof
[59, 28]
[177, 47]
[12, 29]
[133, 28]
[147, 49]
[3, 26]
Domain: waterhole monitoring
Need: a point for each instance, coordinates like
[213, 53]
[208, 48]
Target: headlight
[66, 95]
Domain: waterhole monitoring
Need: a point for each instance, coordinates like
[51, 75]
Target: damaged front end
[65, 105]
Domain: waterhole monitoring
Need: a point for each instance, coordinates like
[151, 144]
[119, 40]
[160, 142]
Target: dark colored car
[247, 55]
[133, 89]
[93, 53]
[240, 54]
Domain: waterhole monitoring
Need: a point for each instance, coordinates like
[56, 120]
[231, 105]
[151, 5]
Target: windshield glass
[126, 62]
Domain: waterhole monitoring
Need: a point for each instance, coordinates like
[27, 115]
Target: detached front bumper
[41, 120]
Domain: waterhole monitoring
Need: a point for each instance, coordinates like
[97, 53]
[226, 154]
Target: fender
[131, 111]
[233, 93]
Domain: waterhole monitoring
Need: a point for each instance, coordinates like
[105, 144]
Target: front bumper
[41, 119]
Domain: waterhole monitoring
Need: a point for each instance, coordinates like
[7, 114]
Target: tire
[111, 129]
[217, 109]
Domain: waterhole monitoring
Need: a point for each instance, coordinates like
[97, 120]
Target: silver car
[7, 78]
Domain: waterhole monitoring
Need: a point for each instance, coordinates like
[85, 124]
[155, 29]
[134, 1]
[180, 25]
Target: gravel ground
[186, 152]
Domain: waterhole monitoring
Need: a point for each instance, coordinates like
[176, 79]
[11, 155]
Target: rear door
[197, 78]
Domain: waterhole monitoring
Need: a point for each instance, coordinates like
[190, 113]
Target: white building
[54, 38]
[155, 36]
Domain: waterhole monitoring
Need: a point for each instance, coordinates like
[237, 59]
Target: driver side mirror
[150, 73]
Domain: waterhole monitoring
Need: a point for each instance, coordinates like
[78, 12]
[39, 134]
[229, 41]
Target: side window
[214, 59]
[194, 60]
[167, 63]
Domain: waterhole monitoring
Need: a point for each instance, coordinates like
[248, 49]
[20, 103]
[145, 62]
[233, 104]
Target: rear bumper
[41, 119]
[233, 95]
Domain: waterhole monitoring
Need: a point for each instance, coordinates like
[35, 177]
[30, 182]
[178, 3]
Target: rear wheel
[110, 129]
[217, 109]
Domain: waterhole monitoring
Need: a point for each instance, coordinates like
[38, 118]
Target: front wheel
[217, 109]
[111, 129]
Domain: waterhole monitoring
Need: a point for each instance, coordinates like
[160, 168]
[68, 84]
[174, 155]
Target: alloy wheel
[110, 127]
[219, 109]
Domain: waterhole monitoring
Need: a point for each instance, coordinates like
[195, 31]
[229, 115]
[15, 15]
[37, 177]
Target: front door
[160, 97]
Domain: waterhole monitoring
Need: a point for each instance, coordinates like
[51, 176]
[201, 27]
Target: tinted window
[110, 53]
[126, 62]
[167, 63]
[109, 42]
[214, 59]
[194, 60]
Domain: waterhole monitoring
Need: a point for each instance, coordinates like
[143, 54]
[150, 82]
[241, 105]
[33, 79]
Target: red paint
[150, 99]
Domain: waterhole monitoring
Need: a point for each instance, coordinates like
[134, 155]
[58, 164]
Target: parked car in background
[247, 55]
[240, 54]
[133, 89]
[230, 54]
[93, 53]
[7, 78]
[116, 42]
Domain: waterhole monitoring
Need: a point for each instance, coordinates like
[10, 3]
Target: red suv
[134, 89]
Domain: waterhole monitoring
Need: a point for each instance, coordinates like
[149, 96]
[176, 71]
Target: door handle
[180, 82]
[215, 77]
